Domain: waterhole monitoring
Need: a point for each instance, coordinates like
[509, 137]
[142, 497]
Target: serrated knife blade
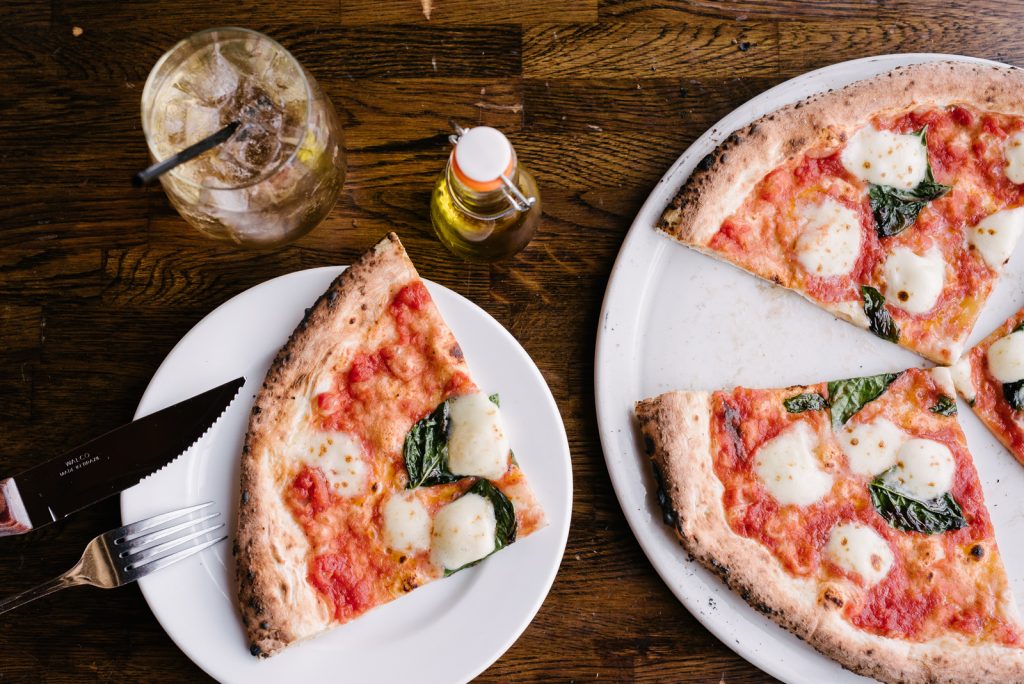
[108, 464]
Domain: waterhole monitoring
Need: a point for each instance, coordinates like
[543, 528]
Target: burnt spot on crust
[256, 650]
[245, 496]
[831, 599]
[706, 163]
[649, 447]
[265, 625]
[332, 298]
[456, 351]
[409, 583]
[978, 551]
[668, 515]
[256, 410]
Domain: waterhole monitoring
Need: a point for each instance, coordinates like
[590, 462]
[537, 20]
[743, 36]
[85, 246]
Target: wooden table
[98, 280]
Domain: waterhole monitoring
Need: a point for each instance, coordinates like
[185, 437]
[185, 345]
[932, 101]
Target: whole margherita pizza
[991, 378]
[372, 464]
[892, 203]
[850, 513]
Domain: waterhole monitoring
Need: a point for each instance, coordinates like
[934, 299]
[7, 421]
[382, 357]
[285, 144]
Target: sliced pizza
[850, 513]
[372, 464]
[991, 378]
[893, 203]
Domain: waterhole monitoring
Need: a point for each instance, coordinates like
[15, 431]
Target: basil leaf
[426, 450]
[896, 209]
[879, 319]
[1019, 328]
[913, 515]
[504, 516]
[849, 396]
[809, 401]
[945, 406]
[495, 399]
[1014, 393]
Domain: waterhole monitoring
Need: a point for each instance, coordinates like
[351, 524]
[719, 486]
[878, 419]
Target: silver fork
[121, 556]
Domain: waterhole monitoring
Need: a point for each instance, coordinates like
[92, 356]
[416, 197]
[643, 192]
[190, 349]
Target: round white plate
[676, 319]
[447, 631]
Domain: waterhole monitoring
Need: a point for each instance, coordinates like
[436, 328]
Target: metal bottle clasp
[512, 193]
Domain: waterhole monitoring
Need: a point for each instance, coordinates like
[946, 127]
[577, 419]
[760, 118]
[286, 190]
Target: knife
[103, 467]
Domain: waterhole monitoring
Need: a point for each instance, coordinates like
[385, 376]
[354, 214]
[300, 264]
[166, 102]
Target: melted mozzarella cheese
[996, 235]
[464, 531]
[871, 448]
[1006, 358]
[914, 282]
[1013, 150]
[860, 550]
[961, 372]
[339, 456]
[886, 158]
[830, 242]
[789, 468]
[406, 523]
[477, 443]
[924, 468]
[853, 311]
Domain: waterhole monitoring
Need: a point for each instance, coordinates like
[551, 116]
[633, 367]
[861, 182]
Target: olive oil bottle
[485, 206]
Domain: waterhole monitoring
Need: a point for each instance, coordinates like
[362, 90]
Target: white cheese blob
[339, 456]
[1013, 149]
[858, 549]
[914, 282]
[1006, 358]
[886, 158]
[853, 311]
[406, 523]
[961, 372]
[477, 443]
[789, 468]
[464, 531]
[996, 235]
[924, 469]
[830, 242]
[871, 448]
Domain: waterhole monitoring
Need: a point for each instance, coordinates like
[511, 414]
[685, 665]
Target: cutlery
[103, 467]
[127, 553]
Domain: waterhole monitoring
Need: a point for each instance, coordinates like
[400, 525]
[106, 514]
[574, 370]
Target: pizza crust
[278, 605]
[676, 433]
[724, 178]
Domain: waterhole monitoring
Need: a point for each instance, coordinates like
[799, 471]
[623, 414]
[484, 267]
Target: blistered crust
[278, 604]
[676, 432]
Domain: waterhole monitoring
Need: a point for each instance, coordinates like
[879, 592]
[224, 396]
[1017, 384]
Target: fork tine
[160, 563]
[149, 523]
[133, 557]
[141, 540]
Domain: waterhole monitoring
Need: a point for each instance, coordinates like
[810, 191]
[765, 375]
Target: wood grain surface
[98, 280]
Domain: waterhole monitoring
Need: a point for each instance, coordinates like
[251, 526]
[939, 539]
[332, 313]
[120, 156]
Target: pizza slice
[372, 464]
[850, 513]
[991, 378]
[893, 203]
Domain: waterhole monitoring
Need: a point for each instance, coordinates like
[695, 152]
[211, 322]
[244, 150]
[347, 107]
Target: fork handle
[68, 579]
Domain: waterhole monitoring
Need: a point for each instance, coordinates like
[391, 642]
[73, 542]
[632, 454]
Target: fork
[121, 556]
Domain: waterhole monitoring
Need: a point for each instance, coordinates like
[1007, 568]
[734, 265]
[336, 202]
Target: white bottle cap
[482, 156]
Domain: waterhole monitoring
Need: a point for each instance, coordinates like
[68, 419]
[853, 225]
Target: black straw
[190, 152]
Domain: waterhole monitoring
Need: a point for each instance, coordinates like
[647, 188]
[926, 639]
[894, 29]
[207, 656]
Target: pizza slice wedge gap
[892, 203]
[850, 513]
[372, 464]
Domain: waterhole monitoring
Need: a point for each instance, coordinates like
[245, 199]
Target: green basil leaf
[495, 399]
[1019, 328]
[809, 401]
[849, 396]
[504, 515]
[1014, 393]
[945, 406]
[426, 450]
[895, 209]
[880, 320]
[913, 515]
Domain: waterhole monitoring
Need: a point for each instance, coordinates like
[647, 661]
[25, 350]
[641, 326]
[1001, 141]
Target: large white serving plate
[447, 631]
[676, 319]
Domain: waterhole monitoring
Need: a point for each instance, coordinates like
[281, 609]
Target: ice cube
[200, 122]
[211, 78]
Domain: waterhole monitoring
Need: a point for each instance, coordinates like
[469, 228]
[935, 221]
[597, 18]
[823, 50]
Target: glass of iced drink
[280, 172]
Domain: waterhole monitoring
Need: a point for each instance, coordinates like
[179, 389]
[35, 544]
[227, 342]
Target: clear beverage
[280, 173]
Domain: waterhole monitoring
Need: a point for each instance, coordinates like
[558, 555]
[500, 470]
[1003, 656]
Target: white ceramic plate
[447, 631]
[676, 319]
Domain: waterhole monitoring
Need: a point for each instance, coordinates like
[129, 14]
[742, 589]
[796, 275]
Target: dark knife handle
[13, 517]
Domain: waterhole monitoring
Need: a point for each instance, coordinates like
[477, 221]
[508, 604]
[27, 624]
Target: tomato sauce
[964, 150]
[931, 586]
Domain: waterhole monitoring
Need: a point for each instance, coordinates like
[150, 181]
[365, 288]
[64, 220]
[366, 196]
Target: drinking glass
[281, 171]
